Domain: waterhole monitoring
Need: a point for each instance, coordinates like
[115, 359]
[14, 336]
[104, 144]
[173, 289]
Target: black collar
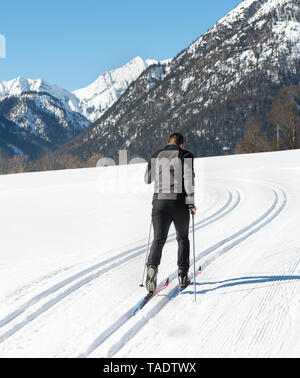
[172, 147]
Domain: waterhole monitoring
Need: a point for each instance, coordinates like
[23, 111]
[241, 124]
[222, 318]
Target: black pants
[165, 212]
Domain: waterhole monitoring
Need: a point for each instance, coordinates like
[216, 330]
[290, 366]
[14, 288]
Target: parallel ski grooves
[164, 300]
[139, 250]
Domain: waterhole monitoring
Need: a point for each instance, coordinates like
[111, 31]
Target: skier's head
[177, 139]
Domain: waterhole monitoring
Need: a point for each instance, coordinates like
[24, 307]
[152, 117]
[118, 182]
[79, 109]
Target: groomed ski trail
[82, 278]
[216, 250]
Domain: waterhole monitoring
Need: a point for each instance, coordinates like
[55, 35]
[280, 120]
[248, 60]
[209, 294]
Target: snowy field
[72, 253]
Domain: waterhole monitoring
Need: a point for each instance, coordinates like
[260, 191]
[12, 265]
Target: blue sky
[71, 42]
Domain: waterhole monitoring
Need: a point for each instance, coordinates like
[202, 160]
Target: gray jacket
[172, 170]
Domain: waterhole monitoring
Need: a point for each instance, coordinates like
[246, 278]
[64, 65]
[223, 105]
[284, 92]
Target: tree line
[22, 163]
[280, 130]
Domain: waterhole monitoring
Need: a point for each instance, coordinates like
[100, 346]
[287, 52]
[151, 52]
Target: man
[172, 170]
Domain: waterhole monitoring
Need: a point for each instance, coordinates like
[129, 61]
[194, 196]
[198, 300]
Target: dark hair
[176, 138]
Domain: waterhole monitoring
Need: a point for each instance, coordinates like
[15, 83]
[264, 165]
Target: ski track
[212, 253]
[56, 272]
[226, 244]
[115, 260]
[274, 315]
[264, 311]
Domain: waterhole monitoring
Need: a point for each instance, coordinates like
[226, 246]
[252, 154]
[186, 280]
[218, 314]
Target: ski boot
[151, 279]
[183, 278]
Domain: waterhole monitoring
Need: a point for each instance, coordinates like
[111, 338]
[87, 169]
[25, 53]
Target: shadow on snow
[231, 282]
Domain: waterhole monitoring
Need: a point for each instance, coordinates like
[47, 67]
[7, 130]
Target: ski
[179, 289]
[150, 296]
[176, 292]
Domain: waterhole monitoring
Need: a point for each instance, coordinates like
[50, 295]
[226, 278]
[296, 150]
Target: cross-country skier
[172, 170]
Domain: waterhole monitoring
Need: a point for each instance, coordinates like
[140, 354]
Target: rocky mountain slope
[100, 95]
[41, 117]
[232, 71]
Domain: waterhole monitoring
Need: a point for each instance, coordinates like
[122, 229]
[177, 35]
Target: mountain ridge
[49, 116]
[98, 96]
[231, 72]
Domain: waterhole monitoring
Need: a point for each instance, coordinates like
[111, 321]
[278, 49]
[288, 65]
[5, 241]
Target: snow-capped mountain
[231, 72]
[19, 86]
[257, 35]
[46, 116]
[100, 95]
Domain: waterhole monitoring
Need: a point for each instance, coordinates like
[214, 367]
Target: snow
[18, 86]
[91, 101]
[239, 11]
[186, 82]
[260, 18]
[105, 91]
[120, 76]
[73, 247]
[289, 29]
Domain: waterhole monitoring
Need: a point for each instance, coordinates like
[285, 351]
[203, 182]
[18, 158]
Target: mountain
[100, 95]
[19, 86]
[231, 72]
[41, 117]
[14, 141]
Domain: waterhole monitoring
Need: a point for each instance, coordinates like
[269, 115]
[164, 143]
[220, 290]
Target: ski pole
[147, 252]
[195, 295]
